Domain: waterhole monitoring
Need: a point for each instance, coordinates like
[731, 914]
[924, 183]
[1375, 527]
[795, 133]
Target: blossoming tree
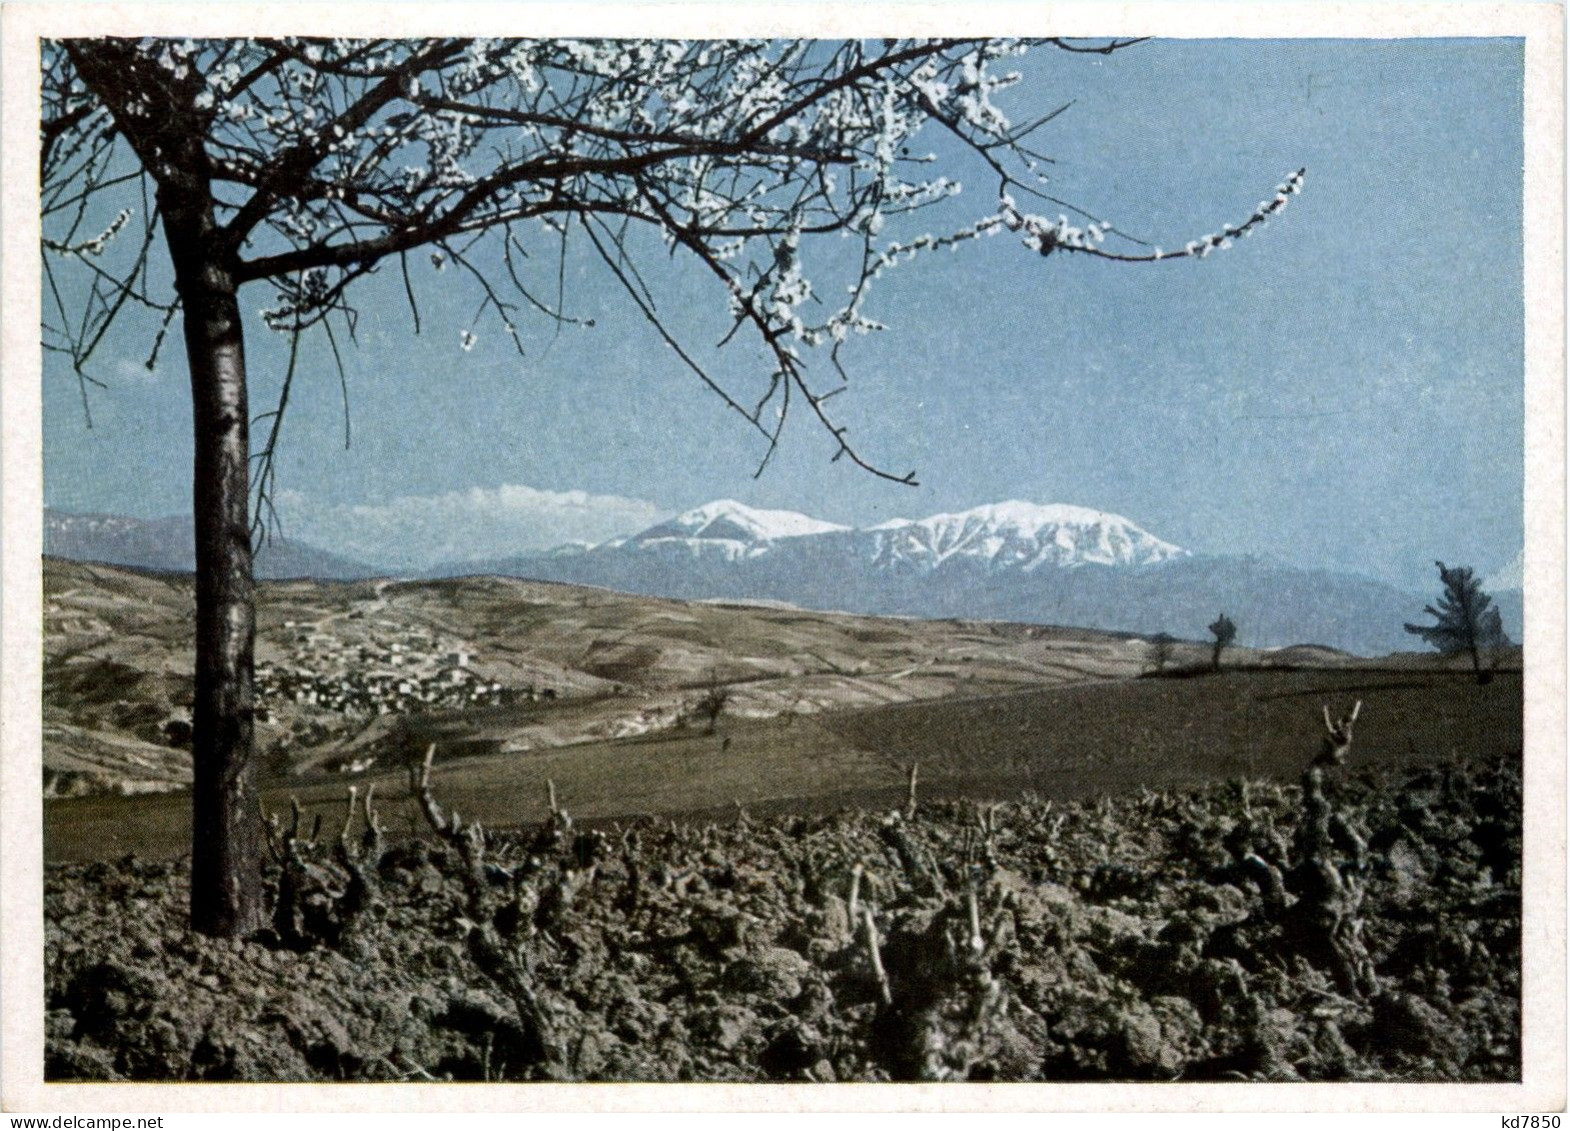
[302, 166]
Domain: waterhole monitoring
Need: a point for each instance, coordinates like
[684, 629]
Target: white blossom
[571, 117]
[95, 246]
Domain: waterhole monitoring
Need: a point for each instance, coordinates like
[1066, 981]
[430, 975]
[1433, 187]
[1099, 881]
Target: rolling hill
[495, 665]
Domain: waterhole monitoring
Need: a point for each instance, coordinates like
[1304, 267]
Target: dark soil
[1238, 931]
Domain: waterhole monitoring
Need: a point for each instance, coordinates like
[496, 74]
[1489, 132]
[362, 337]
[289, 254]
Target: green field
[1061, 742]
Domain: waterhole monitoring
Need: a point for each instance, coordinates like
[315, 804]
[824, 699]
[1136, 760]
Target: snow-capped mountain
[1019, 561]
[1051, 563]
[1011, 535]
[725, 529]
[1018, 535]
[693, 553]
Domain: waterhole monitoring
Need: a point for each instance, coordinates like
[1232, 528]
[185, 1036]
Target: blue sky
[1343, 390]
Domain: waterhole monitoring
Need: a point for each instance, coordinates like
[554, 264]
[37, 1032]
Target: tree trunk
[1478, 671]
[226, 833]
[1473, 619]
[226, 828]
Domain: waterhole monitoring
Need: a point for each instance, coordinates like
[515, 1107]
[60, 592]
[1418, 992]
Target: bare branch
[320, 158]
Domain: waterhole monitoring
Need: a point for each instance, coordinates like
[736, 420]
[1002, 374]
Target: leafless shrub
[322, 902]
[1337, 742]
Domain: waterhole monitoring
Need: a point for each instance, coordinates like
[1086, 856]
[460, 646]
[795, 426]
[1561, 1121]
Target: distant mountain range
[1015, 561]
[170, 544]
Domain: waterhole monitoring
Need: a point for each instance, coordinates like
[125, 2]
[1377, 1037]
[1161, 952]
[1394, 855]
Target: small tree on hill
[1466, 620]
[712, 705]
[1225, 632]
[1162, 645]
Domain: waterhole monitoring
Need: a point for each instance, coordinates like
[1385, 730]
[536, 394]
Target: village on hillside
[412, 672]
